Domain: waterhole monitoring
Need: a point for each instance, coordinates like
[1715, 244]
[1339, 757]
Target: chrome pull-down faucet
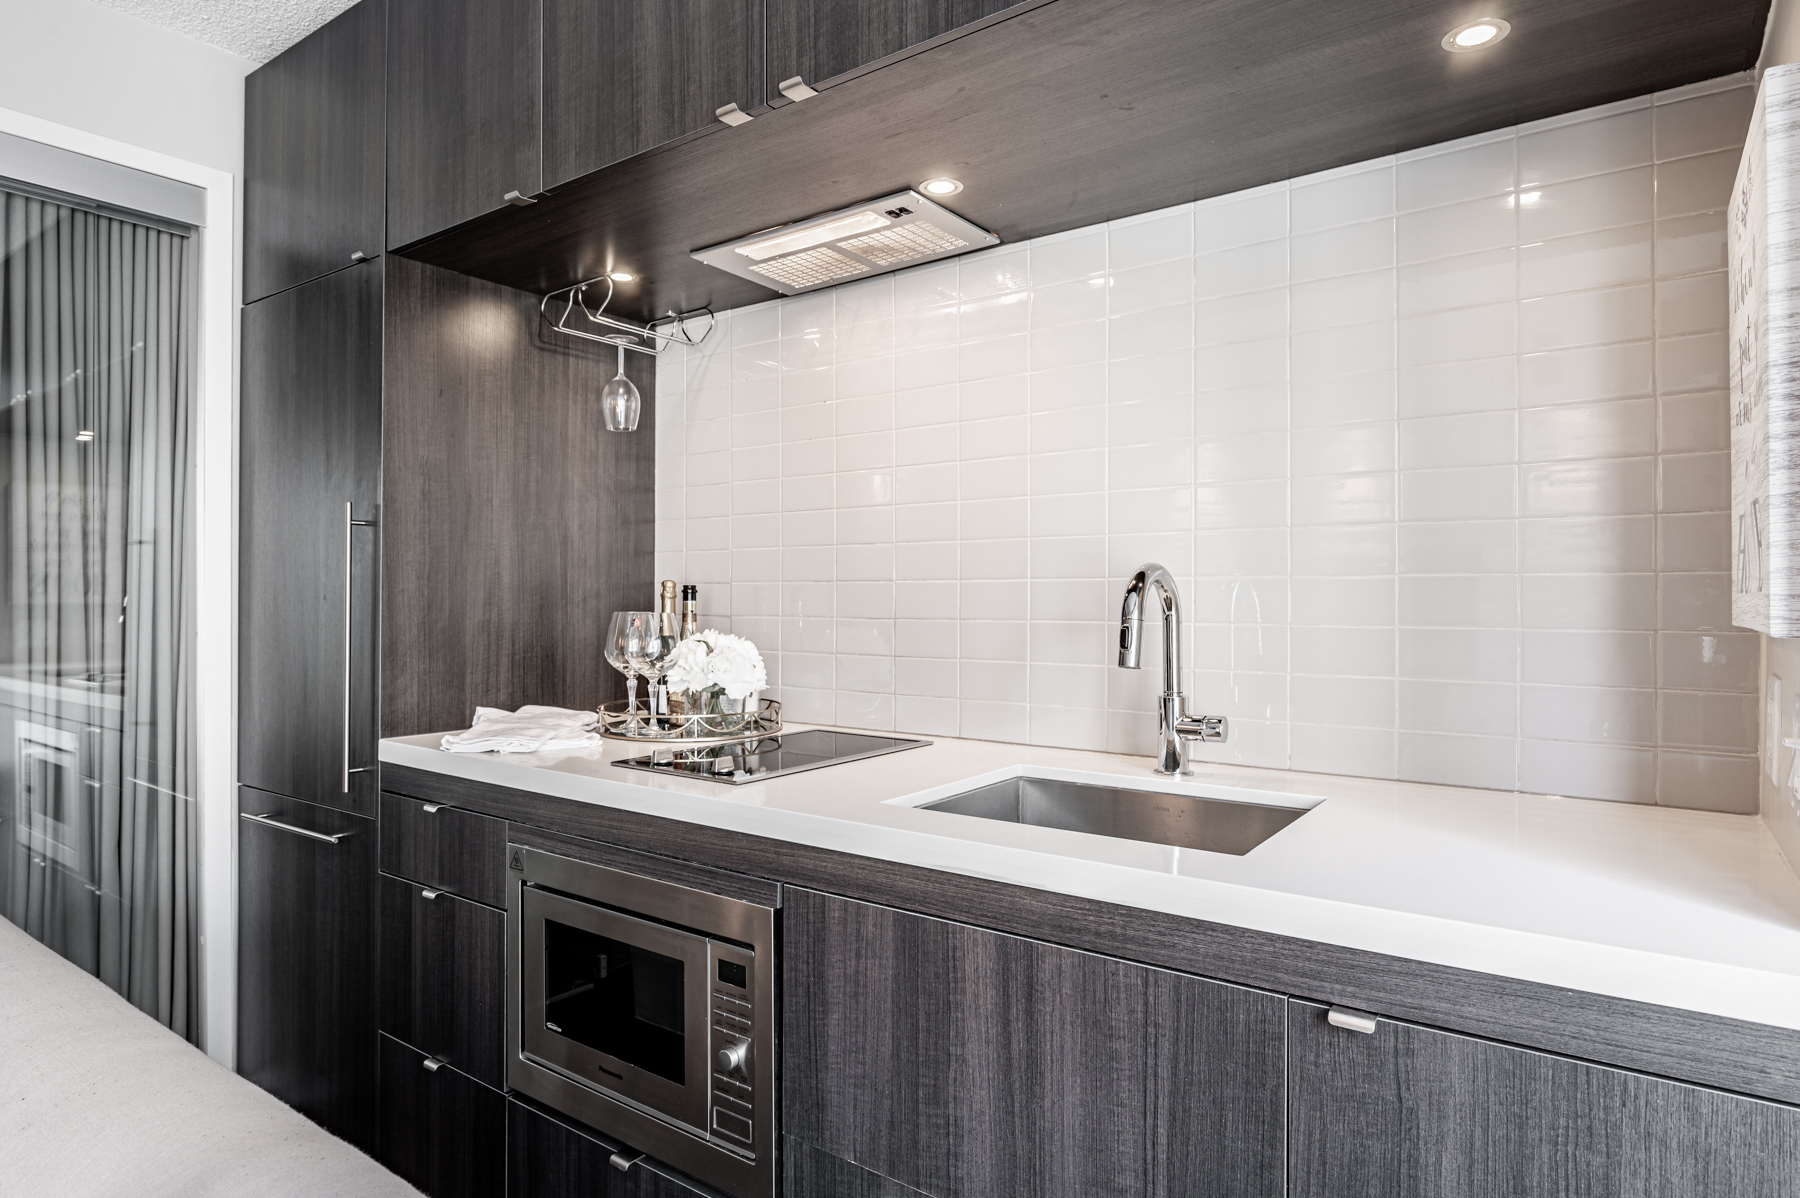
[1174, 727]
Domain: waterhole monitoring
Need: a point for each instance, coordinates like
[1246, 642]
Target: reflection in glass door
[98, 829]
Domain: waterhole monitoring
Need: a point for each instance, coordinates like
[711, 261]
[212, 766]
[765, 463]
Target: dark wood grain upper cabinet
[306, 986]
[313, 154]
[819, 40]
[626, 76]
[1409, 1112]
[970, 1064]
[309, 459]
[464, 125]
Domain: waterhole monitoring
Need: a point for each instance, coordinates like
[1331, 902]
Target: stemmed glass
[650, 657]
[625, 648]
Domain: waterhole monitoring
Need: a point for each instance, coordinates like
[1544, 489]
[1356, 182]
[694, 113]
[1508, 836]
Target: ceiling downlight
[1476, 35]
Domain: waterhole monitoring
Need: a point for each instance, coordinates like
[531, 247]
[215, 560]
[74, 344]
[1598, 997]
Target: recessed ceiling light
[940, 187]
[621, 276]
[1475, 35]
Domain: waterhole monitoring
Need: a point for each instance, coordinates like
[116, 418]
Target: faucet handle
[1203, 727]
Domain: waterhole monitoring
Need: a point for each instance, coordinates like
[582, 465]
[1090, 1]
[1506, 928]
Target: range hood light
[890, 232]
[941, 187]
[621, 276]
[801, 239]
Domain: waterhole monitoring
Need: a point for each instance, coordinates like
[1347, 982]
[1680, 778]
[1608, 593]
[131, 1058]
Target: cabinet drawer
[442, 1131]
[809, 1173]
[549, 1156]
[444, 848]
[443, 977]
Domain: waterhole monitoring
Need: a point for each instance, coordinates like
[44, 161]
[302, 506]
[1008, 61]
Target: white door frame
[215, 506]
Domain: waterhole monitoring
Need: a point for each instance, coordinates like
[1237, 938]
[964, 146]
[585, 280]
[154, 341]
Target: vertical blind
[96, 664]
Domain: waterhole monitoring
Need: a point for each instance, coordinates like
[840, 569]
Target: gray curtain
[96, 674]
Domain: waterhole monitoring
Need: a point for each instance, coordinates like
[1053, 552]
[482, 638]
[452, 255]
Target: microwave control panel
[731, 1114]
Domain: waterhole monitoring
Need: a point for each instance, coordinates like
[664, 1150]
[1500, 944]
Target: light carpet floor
[98, 1099]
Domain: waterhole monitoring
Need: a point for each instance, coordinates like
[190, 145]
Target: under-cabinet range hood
[871, 238]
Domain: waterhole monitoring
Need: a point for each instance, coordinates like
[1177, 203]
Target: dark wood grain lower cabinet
[444, 847]
[443, 978]
[549, 1156]
[306, 960]
[970, 1064]
[441, 1130]
[1409, 1112]
[807, 1172]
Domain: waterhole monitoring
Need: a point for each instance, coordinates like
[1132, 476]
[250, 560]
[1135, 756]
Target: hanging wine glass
[620, 402]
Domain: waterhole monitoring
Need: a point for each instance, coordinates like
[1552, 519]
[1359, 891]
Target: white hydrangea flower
[714, 658]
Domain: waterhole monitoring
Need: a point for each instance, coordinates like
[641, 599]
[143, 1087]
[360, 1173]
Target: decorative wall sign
[1763, 243]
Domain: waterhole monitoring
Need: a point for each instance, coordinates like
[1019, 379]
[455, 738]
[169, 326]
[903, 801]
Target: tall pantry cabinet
[431, 516]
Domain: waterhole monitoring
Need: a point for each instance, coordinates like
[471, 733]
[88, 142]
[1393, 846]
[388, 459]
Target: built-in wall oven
[646, 1010]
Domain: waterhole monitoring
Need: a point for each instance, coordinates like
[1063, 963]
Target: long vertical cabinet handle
[350, 524]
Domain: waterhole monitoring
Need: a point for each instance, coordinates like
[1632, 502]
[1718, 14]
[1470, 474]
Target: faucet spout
[1173, 726]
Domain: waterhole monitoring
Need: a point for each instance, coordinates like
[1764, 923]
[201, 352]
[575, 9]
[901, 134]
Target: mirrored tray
[618, 721]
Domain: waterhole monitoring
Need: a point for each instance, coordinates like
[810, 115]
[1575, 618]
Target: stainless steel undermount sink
[1178, 820]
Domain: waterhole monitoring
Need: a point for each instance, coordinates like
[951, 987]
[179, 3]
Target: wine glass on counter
[650, 658]
[625, 647]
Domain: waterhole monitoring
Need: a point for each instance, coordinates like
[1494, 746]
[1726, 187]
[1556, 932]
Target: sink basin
[1182, 821]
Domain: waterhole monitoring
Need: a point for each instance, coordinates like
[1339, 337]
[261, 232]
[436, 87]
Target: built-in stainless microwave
[646, 1010]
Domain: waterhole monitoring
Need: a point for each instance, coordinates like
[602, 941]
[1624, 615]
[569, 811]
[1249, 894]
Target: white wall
[92, 68]
[1434, 443]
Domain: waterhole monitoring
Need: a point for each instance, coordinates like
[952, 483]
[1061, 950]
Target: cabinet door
[313, 154]
[969, 1064]
[463, 120]
[622, 77]
[820, 40]
[443, 978]
[1408, 1112]
[310, 444]
[549, 1156]
[306, 960]
[441, 1130]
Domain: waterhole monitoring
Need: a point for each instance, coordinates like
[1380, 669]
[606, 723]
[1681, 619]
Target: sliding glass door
[98, 827]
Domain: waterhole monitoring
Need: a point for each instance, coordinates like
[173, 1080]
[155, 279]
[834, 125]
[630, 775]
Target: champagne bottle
[668, 626]
[690, 610]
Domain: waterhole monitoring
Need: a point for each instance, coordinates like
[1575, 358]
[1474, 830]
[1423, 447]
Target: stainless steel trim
[1351, 1020]
[327, 837]
[349, 525]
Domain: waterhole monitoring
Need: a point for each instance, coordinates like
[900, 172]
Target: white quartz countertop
[1686, 909]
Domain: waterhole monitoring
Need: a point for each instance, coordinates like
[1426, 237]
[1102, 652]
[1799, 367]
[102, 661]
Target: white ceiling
[256, 29]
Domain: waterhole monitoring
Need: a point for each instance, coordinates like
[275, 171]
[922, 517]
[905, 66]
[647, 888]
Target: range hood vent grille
[895, 231]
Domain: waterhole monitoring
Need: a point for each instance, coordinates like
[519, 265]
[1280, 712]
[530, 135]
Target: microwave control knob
[734, 1057]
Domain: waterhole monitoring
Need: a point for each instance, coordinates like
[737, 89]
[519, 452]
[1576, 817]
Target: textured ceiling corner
[255, 29]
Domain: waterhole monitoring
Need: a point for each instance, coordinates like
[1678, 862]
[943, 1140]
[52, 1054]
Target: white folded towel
[526, 730]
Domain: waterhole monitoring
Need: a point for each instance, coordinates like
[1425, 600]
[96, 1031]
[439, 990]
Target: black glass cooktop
[769, 756]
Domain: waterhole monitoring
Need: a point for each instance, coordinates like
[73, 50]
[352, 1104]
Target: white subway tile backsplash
[1700, 184]
[1435, 444]
[1609, 143]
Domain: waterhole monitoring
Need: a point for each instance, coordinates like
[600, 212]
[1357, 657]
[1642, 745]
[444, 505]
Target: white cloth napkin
[526, 730]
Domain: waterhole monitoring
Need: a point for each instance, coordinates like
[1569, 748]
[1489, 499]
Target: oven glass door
[617, 1002]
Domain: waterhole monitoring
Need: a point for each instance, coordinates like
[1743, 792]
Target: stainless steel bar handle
[350, 524]
[327, 837]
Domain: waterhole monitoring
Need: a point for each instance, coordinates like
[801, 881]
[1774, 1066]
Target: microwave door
[619, 1003]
